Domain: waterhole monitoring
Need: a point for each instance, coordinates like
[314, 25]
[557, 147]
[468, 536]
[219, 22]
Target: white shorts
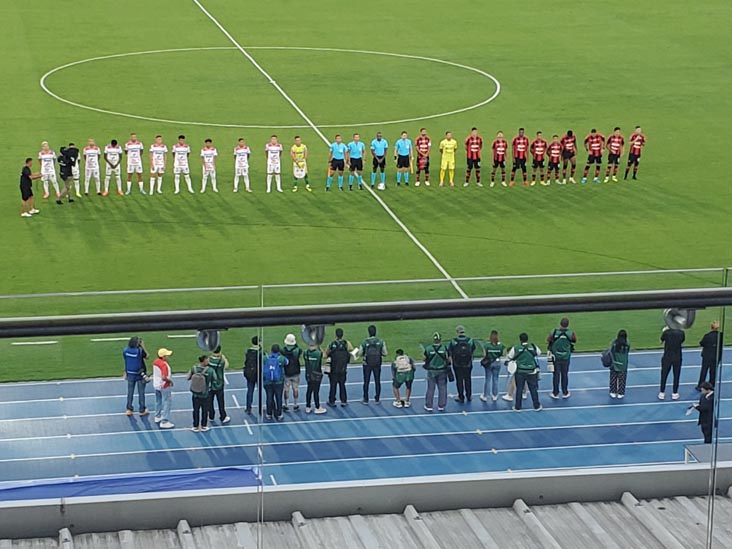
[110, 170]
[49, 177]
[273, 168]
[93, 173]
[159, 170]
[134, 168]
[209, 171]
[75, 172]
[241, 172]
[177, 170]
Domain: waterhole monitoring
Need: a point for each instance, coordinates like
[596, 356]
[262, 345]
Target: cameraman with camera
[66, 161]
[135, 373]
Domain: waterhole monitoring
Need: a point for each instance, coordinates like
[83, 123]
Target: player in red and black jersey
[473, 148]
[615, 144]
[520, 148]
[538, 151]
[594, 145]
[569, 155]
[423, 144]
[636, 142]
[500, 150]
[554, 150]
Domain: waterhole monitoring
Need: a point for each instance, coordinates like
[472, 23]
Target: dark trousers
[668, 363]
[560, 375]
[617, 382]
[464, 383]
[337, 382]
[251, 385]
[710, 367]
[367, 371]
[216, 396]
[313, 392]
[707, 432]
[274, 399]
[533, 382]
[200, 411]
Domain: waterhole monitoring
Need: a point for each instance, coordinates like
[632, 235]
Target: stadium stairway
[671, 523]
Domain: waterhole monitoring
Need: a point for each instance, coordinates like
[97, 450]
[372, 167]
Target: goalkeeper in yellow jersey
[448, 146]
[299, 155]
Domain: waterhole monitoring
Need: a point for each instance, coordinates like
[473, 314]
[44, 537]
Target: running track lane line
[317, 130]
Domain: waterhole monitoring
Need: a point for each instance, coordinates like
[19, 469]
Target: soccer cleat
[615, 179]
[634, 177]
[512, 183]
[58, 195]
[34, 211]
[479, 184]
[203, 191]
[571, 180]
[105, 193]
[533, 182]
[26, 214]
[595, 179]
[78, 194]
[120, 193]
[417, 183]
[452, 183]
[442, 184]
[583, 180]
[545, 183]
[493, 183]
[350, 187]
[466, 184]
[249, 190]
[426, 183]
[294, 189]
[308, 189]
[503, 183]
[59, 202]
[45, 195]
[100, 194]
[564, 181]
[142, 191]
[606, 180]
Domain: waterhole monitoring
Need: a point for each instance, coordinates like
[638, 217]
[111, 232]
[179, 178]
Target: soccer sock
[564, 173]
[189, 183]
[467, 175]
[574, 169]
[541, 174]
[160, 184]
[328, 181]
[477, 176]
[587, 170]
[45, 187]
[406, 177]
[533, 175]
[373, 178]
[246, 181]
[442, 176]
[236, 183]
[503, 174]
[340, 181]
[86, 186]
[493, 176]
[152, 185]
[106, 184]
[77, 185]
[383, 177]
[213, 182]
[176, 183]
[97, 185]
[269, 182]
[129, 187]
[307, 180]
[452, 176]
[350, 180]
[278, 181]
[360, 180]
[523, 172]
[635, 170]
[119, 183]
[399, 177]
[204, 182]
[56, 187]
[597, 171]
[615, 170]
[141, 185]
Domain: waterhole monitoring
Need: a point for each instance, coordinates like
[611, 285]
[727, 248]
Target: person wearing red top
[423, 144]
[473, 148]
[161, 369]
[520, 147]
[538, 151]
[636, 141]
[615, 145]
[500, 148]
[594, 145]
[554, 150]
[569, 155]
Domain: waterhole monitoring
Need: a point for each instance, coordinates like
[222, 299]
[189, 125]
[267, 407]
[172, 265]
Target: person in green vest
[437, 364]
[619, 350]
[201, 399]
[313, 358]
[219, 363]
[491, 363]
[560, 343]
[527, 370]
[402, 373]
[292, 353]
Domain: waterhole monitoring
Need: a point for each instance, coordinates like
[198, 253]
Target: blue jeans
[167, 397]
[158, 403]
[131, 384]
[491, 379]
[440, 382]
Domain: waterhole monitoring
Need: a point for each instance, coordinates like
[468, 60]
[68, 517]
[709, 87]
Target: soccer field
[169, 68]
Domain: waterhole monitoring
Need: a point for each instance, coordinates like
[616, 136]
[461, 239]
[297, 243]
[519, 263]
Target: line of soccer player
[409, 157]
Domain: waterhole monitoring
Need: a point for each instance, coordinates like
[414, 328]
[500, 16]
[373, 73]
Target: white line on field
[34, 342]
[128, 292]
[181, 336]
[103, 339]
[317, 130]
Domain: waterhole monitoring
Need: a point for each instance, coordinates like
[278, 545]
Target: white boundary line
[34, 343]
[481, 103]
[106, 339]
[317, 130]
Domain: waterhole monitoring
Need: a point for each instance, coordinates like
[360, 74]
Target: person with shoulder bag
[338, 354]
[373, 350]
[292, 352]
[619, 352]
[202, 378]
[462, 348]
[437, 364]
[527, 370]
[253, 373]
[402, 371]
[134, 356]
[218, 362]
[273, 379]
[313, 358]
[560, 347]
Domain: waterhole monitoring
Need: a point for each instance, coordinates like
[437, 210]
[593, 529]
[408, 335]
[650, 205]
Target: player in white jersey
[133, 150]
[158, 159]
[47, 160]
[181, 150]
[92, 153]
[273, 152]
[241, 165]
[112, 160]
[208, 161]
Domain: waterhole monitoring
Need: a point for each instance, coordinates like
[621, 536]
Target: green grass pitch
[661, 64]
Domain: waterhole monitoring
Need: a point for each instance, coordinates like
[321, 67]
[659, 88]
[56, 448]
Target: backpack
[403, 364]
[199, 383]
[561, 346]
[372, 354]
[607, 358]
[293, 362]
[462, 354]
[338, 356]
[251, 364]
[272, 370]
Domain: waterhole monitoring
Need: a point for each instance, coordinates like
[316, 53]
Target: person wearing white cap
[166, 388]
[292, 353]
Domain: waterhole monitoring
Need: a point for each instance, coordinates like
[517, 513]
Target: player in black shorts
[378, 159]
[27, 206]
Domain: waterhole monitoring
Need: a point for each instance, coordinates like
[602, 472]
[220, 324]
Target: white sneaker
[479, 184]
[426, 183]
[661, 396]
[157, 419]
[397, 404]
[195, 429]
[484, 398]
[407, 404]
[34, 211]
[25, 214]
[427, 408]
[539, 409]
[493, 183]
[227, 419]
[204, 429]
[166, 425]
[494, 397]
[321, 411]
[621, 396]
[507, 397]
[417, 184]
[572, 180]
[613, 395]
[466, 184]
[308, 409]
[555, 397]
[674, 396]
[567, 395]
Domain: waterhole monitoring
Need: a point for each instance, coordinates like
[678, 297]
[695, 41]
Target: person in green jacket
[201, 400]
[527, 370]
[491, 363]
[313, 358]
[437, 364]
[219, 363]
[560, 343]
[619, 350]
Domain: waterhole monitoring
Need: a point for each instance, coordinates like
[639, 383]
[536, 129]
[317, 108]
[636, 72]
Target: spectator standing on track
[313, 358]
[134, 355]
[561, 345]
[462, 348]
[437, 364]
[705, 407]
[671, 360]
[292, 353]
[402, 373]
[218, 362]
[339, 353]
[491, 363]
[712, 345]
[619, 351]
[253, 373]
[373, 350]
[166, 387]
[273, 379]
[527, 370]
[202, 377]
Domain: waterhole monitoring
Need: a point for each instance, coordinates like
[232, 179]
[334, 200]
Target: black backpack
[251, 364]
[372, 354]
[293, 362]
[338, 356]
[462, 353]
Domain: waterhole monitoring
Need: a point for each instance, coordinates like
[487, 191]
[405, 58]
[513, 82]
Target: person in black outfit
[671, 360]
[27, 208]
[66, 162]
[705, 407]
[712, 346]
[338, 352]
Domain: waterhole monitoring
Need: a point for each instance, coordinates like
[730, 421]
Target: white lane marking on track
[235, 401]
[318, 131]
[29, 343]
[248, 427]
[272, 478]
